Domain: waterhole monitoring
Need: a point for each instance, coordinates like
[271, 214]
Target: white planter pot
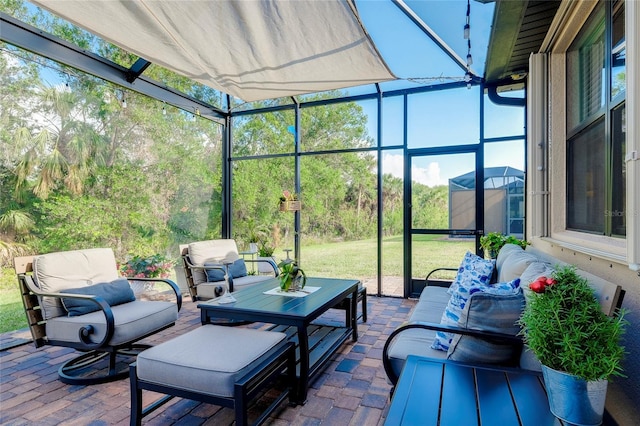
[263, 267]
[181, 279]
[573, 399]
[253, 247]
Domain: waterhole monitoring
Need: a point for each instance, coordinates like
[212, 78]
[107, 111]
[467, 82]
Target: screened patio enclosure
[370, 154]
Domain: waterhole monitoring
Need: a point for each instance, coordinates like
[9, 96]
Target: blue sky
[438, 118]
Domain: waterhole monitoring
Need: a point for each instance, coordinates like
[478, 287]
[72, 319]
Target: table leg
[303, 382]
[354, 315]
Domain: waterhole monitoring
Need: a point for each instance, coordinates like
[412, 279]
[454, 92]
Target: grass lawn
[357, 259]
[12, 316]
[351, 259]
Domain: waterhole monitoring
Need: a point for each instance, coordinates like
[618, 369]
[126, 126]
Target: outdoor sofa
[486, 332]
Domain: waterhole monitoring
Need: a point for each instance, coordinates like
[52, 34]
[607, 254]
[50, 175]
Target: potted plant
[253, 234]
[154, 266]
[291, 277]
[289, 201]
[576, 343]
[494, 241]
[265, 252]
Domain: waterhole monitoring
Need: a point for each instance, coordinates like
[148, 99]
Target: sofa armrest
[439, 282]
[487, 335]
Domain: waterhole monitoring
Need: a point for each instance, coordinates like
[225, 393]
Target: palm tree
[63, 148]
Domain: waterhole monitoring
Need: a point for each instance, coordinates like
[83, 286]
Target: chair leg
[240, 406]
[136, 397]
[364, 306]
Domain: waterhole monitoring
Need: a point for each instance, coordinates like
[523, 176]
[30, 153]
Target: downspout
[632, 156]
[537, 146]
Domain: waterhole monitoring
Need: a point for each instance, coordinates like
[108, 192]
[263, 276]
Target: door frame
[414, 286]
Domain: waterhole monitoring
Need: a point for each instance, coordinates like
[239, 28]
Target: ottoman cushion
[208, 360]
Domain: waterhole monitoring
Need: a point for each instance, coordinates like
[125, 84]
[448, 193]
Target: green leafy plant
[288, 196]
[290, 274]
[265, 250]
[494, 241]
[566, 329]
[156, 266]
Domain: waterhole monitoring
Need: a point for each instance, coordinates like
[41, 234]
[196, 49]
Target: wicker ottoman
[226, 366]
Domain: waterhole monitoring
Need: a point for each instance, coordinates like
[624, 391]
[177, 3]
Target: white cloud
[430, 176]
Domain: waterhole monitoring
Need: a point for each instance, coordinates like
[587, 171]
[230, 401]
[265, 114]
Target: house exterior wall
[611, 258]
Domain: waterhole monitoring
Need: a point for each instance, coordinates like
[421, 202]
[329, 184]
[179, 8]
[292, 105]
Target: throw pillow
[488, 312]
[473, 268]
[114, 293]
[214, 274]
[236, 269]
[453, 312]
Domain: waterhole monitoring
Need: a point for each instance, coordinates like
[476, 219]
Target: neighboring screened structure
[503, 200]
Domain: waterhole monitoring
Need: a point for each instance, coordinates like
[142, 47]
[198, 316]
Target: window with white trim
[595, 65]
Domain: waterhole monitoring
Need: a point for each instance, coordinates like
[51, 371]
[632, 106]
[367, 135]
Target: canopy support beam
[37, 41]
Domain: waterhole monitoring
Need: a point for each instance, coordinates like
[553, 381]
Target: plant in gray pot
[265, 253]
[577, 344]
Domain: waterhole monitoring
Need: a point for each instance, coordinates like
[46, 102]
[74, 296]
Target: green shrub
[564, 325]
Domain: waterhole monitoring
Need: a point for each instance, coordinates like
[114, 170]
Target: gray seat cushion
[207, 290]
[132, 320]
[418, 341]
[208, 360]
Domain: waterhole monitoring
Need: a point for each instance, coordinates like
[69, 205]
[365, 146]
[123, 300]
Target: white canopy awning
[253, 50]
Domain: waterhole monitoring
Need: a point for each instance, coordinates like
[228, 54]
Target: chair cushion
[489, 312]
[237, 269]
[473, 268]
[207, 290]
[114, 293]
[217, 251]
[515, 264]
[54, 272]
[418, 341]
[133, 320]
[208, 360]
[505, 252]
[453, 313]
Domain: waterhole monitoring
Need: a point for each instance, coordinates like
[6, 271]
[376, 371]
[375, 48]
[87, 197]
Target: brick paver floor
[351, 391]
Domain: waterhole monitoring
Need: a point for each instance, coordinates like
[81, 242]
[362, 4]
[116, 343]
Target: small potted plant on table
[576, 343]
[291, 277]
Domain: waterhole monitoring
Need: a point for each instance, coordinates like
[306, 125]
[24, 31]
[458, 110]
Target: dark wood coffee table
[298, 312]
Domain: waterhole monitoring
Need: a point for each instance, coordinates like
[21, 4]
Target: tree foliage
[79, 169]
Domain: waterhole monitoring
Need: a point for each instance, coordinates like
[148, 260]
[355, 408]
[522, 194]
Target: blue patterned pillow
[453, 311]
[473, 268]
